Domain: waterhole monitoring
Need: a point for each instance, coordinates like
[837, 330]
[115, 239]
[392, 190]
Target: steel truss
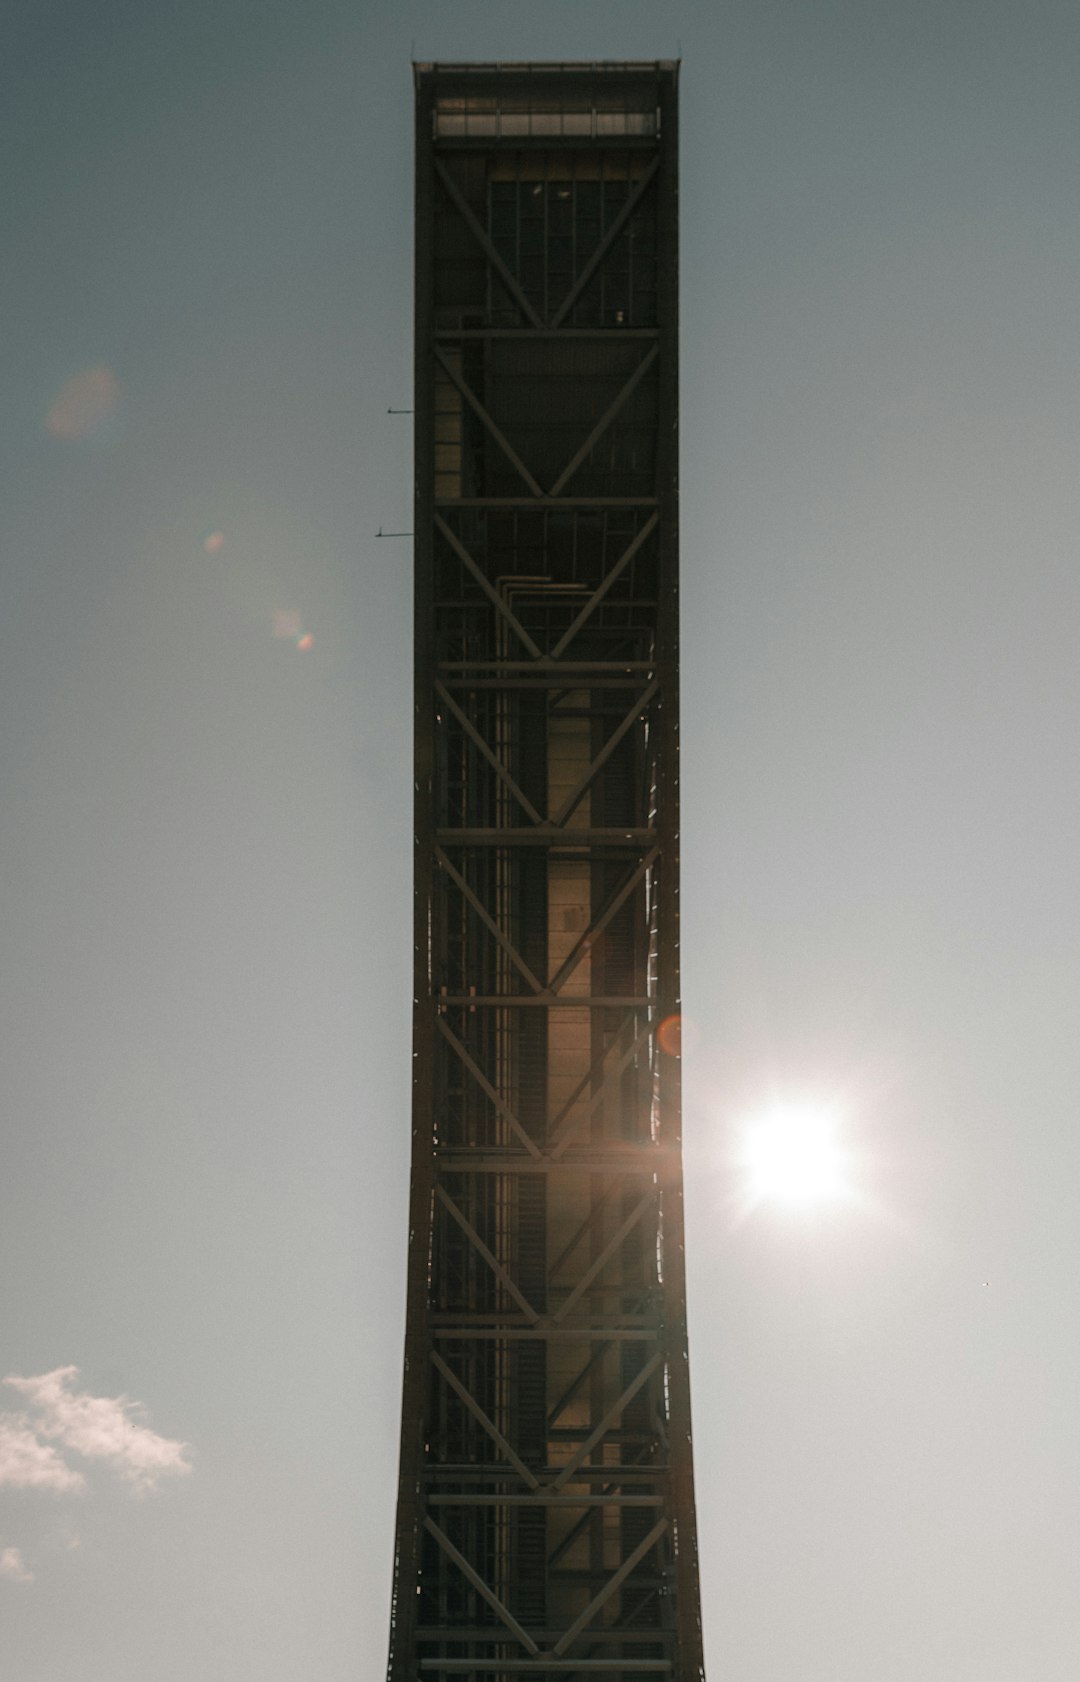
[545, 1516]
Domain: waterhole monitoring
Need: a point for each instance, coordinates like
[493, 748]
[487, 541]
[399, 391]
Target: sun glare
[792, 1155]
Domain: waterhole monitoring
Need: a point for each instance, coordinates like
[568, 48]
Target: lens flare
[287, 625]
[792, 1155]
[87, 400]
[677, 1035]
[669, 1036]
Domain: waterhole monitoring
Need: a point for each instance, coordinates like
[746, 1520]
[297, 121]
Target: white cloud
[105, 1428]
[28, 1463]
[13, 1566]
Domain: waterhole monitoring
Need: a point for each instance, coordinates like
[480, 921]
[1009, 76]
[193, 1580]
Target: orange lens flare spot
[669, 1036]
[677, 1035]
[214, 543]
[87, 400]
[305, 642]
[287, 625]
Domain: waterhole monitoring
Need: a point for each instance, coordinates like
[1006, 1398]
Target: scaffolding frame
[545, 1522]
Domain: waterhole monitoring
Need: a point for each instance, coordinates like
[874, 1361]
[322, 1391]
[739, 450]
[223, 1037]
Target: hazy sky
[206, 809]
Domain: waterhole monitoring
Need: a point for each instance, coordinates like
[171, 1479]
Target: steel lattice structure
[546, 1514]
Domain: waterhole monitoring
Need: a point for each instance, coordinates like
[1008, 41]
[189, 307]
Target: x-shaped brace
[579, 455]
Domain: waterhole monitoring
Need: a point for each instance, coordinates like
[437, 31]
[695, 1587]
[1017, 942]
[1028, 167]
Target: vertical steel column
[410, 1510]
[691, 1664]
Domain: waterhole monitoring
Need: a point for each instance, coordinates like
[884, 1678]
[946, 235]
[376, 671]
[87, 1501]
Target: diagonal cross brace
[600, 1202]
[606, 1253]
[559, 1132]
[485, 1086]
[482, 415]
[481, 1417]
[595, 930]
[482, 1250]
[582, 1453]
[480, 234]
[559, 1140]
[610, 1587]
[561, 1135]
[605, 419]
[488, 920]
[571, 1536]
[598, 594]
[488, 588]
[606, 244]
[480, 1586]
[575, 795]
[492, 758]
[572, 1389]
[487, 419]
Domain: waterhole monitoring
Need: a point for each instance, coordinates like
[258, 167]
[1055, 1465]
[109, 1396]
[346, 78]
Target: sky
[205, 823]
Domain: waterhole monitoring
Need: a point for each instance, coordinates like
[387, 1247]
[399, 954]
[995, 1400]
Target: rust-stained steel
[546, 1509]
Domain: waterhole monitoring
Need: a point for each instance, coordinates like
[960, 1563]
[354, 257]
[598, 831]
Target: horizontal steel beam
[547, 1322]
[545, 1497]
[541, 143]
[542, 1665]
[616, 335]
[568, 838]
[586, 1160]
[545, 661]
[555, 680]
[625, 1472]
[560, 1334]
[535, 502]
[548, 1000]
[607, 1635]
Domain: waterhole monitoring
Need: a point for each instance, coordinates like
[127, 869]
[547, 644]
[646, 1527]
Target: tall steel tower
[546, 1510]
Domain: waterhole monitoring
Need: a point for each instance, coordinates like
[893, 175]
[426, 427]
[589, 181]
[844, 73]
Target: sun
[792, 1155]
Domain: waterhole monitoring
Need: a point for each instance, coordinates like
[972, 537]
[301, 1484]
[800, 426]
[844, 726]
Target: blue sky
[205, 826]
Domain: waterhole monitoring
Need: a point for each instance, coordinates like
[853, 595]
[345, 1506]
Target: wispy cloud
[58, 1420]
[28, 1463]
[110, 1429]
[13, 1566]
